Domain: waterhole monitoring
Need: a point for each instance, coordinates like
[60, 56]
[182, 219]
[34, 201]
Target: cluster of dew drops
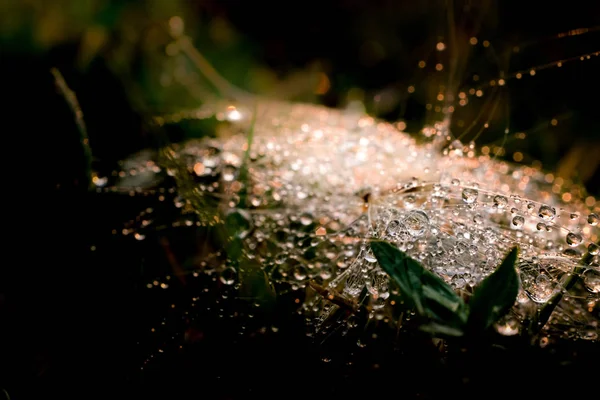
[305, 197]
[307, 209]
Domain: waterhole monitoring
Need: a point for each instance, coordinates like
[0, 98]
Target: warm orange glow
[324, 84]
[518, 156]
[199, 168]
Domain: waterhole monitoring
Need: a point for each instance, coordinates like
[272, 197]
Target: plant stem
[244, 168]
[73, 104]
[546, 311]
[224, 88]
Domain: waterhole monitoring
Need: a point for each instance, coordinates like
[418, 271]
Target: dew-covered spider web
[290, 195]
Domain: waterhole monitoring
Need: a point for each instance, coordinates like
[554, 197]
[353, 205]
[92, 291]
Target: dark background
[71, 320]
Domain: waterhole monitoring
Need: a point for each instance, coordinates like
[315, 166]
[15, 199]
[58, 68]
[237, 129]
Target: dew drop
[409, 200]
[228, 276]
[240, 220]
[325, 273]
[469, 196]
[416, 223]
[574, 239]
[518, 221]
[370, 257]
[547, 213]
[541, 226]
[589, 334]
[392, 227]
[500, 201]
[591, 280]
[593, 249]
[593, 219]
[299, 272]
[229, 172]
[306, 219]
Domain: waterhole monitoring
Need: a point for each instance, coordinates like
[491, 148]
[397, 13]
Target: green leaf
[255, 284]
[495, 295]
[432, 298]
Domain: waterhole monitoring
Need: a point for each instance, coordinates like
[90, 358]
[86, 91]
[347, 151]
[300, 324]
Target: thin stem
[546, 311]
[244, 168]
[73, 104]
[224, 88]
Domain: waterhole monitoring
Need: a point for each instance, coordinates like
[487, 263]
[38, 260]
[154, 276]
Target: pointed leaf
[495, 295]
[427, 293]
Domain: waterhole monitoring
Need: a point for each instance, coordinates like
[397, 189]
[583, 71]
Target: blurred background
[517, 67]
[521, 78]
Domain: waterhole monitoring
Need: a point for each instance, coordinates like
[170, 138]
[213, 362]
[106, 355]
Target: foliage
[442, 312]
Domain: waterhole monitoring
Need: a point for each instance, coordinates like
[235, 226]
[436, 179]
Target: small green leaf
[432, 298]
[255, 284]
[495, 295]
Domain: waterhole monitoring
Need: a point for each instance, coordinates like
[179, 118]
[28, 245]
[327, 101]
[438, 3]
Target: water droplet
[547, 213]
[574, 216]
[455, 182]
[478, 219]
[593, 219]
[469, 196]
[541, 278]
[306, 219]
[574, 239]
[416, 223]
[541, 226]
[508, 326]
[593, 249]
[409, 200]
[325, 273]
[228, 276]
[229, 173]
[240, 221]
[589, 334]
[300, 272]
[500, 201]
[369, 256]
[392, 227]
[518, 221]
[591, 280]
